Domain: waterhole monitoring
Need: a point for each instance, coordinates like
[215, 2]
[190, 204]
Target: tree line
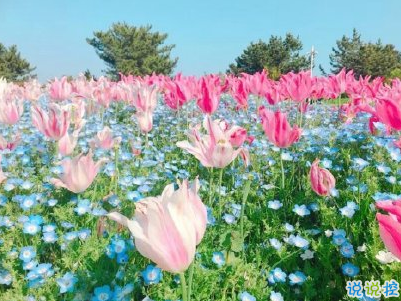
[135, 50]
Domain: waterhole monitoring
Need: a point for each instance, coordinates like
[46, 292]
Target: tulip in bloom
[145, 101]
[322, 181]
[78, 173]
[104, 139]
[277, 129]
[54, 124]
[209, 94]
[68, 142]
[390, 226]
[60, 89]
[216, 148]
[4, 144]
[11, 111]
[168, 228]
[389, 112]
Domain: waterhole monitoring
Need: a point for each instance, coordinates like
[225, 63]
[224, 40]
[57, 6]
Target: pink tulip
[53, 125]
[390, 226]
[209, 94]
[4, 144]
[145, 101]
[216, 148]
[168, 228]
[277, 129]
[32, 90]
[322, 181]
[297, 85]
[389, 113]
[2, 175]
[11, 111]
[104, 139]
[67, 143]
[60, 89]
[78, 173]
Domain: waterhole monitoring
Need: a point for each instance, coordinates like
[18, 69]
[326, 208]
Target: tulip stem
[282, 173]
[219, 191]
[190, 278]
[184, 287]
[244, 198]
[146, 140]
[211, 186]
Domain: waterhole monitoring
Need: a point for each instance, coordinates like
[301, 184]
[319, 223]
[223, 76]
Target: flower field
[210, 188]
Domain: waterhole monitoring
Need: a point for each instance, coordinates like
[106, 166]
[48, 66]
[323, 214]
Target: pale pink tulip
[390, 226]
[4, 144]
[322, 181]
[67, 143]
[60, 89]
[2, 175]
[11, 111]
[104, 139]
[277, 128]
[216, 148]
[54, 124]
[78, 173]
[145, 101]
[168, 228]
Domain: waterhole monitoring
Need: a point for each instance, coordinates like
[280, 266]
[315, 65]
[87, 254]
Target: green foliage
[375, 59]
[133, 50]
[12, 66]
[278, 54]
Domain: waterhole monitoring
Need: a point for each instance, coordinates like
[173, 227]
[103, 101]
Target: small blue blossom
[219, 259]
[152, 275]
[245, 296]
[67, 282]
[349, 269]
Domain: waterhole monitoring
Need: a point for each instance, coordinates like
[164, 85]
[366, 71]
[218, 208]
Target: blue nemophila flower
[118, 245]
[274, 204]
[67, 225]
[286, 156]
[49, 237]
[3, 200]
[84, 234]
[5, 277]
[49, 228]
[301, 210]
[102, 293]
[297, 278]
[347, 250]
[67, 282]
[134, 196]
[349, 269]
[288, 227]
[114, 201]
[236, 210]
[297, 241]
[279, 275]
[44, 270]
[245, 296]
[349, 209]
[359, 164]
[338, 237]
[276, 296]
[391, 179]
[83, 206]
[152, 275]
[31, 228]
[275, 243]
[229, 218]
[70, 236]
[383, 169]
[219, 259]
[37, 219]
[27, 266]
[28, 202]
[52, 202]
[121, 293]
[99, 211]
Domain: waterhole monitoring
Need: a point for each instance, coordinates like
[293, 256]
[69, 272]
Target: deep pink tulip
[277, 129]
[78, 173]
[168, 228]
[11, 111]
[104, 139]
[390, 226]
[54, 124]
[389, 113]
[60, 89]
[208, 97]
[298, 85]
[322, 181]
[216, 148]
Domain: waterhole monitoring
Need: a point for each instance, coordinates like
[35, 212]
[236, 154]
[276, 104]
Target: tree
[133, 50]
[375, 59]
[278, 56]
[12, 66]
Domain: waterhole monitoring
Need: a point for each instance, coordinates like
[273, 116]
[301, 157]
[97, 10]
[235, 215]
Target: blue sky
[208, 34]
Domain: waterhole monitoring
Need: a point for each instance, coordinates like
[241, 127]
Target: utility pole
[312, 54]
